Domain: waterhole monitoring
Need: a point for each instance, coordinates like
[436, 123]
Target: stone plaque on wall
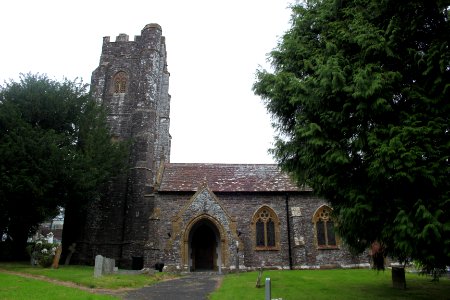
[299, 240]
[296, 211]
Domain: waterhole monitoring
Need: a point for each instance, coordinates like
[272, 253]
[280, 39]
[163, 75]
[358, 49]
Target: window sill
[328, 248]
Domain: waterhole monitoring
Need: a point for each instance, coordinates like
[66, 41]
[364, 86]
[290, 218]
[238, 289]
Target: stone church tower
[132, 81]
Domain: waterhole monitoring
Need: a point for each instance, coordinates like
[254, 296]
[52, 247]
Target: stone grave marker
[108, 265]
[104, 265]
[258, 281]
[71, 251]
[98, 268]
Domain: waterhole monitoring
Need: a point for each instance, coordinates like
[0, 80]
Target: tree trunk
[19, 236]
[73, 228]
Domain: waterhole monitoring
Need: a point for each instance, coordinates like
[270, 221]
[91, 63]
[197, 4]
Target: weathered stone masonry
[192, 216]
[118, 225]
[239, 191]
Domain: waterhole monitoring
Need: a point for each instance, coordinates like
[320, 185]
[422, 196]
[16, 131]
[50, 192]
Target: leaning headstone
[258, 281]
[268, 289]
[55, 263]
[33, 259]
[71, 251]
[98, 268]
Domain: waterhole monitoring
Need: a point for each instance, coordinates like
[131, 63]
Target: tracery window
[120, 82]
[324, 225]
[266, 228]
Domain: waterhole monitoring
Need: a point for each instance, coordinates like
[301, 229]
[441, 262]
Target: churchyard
[78, 282]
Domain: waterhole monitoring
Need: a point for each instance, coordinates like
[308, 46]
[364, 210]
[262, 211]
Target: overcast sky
[213, 47]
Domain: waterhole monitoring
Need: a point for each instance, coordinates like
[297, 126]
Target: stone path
[193, 286]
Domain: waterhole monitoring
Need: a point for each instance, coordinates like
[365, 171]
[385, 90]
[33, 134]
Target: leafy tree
[55, 151]
[360, 96]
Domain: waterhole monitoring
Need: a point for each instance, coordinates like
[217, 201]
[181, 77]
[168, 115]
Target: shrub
[42, 253]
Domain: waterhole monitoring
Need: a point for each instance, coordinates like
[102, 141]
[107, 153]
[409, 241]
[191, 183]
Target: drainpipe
[124, 221]
[288, 231]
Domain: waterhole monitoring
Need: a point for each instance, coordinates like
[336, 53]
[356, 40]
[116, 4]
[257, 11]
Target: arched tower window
[266, 228]
[324, 226]
[120, 82]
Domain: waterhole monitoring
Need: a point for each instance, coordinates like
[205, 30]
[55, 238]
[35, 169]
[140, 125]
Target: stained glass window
[330, 234]
[270, 233]
[266, 229]
[321, 239]
[260, 233]
[325, 233]
[120, 82]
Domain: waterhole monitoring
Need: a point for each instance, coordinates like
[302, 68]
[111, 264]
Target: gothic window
[324, 227]
[266, 227]
[120, 82]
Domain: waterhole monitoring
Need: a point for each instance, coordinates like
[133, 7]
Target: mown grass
[331, 284]
[17, 288]
[84, 276]
[302, 284]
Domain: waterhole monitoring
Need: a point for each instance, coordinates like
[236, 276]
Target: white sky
[213, 47]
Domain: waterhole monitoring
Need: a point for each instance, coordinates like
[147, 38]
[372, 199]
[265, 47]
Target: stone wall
[241, 207]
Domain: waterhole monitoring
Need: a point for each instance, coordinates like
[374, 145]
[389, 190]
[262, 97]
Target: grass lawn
[84, 276]
[17, 288]
[288, 285]
[331, 284]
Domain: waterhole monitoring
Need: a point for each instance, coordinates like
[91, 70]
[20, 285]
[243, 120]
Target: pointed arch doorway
[204, 246]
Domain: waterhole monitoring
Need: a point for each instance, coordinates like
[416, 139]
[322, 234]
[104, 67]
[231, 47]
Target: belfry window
[120, 82]
[266, 228]
[324, 225]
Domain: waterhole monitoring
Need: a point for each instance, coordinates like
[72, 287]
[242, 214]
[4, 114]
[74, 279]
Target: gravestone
[103, 265]
[108, 265]
[71, 251]
[98, 268]
[258, 281]
[33, 259]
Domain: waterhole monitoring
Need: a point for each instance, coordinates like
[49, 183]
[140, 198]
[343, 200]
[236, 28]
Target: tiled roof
[226, 178]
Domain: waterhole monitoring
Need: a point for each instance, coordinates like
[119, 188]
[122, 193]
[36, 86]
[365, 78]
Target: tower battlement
[150, 31]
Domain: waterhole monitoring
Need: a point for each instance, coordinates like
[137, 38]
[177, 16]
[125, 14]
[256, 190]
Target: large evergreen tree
[360, 95]
[55, 151]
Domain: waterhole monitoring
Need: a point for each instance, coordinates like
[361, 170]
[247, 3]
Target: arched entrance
[204, 250]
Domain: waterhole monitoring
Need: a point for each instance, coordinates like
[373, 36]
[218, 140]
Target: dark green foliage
[55, 151]
[360, 95]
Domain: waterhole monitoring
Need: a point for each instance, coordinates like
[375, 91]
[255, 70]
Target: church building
[192, 216]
